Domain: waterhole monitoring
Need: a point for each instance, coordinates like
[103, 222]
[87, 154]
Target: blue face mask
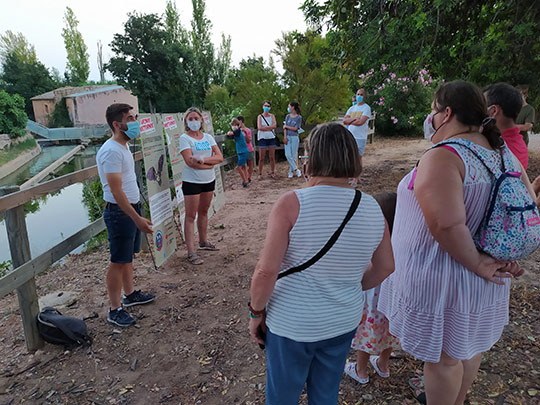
[288, 109]
[266, 109]
[359, 99]
[133, 130]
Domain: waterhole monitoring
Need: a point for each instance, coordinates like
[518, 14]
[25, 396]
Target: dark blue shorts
[124, 236]
[267, 143]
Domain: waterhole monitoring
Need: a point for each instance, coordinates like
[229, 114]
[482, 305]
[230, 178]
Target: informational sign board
[157, 181]
[173, 125]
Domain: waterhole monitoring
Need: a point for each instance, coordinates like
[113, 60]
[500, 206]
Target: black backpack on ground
[58, 329]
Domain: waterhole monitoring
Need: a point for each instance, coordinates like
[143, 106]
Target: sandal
[417, 382]
[207, 246]
[350, 370]
[421, 397]
[373, 361]
[273, 175]
[194, 259]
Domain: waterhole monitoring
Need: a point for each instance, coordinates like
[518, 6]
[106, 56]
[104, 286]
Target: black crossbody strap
[267, 124]
[330, 243]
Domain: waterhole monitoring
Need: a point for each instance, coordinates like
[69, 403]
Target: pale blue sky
[253, 25]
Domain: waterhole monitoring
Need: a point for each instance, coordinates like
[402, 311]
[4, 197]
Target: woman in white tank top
[307, 319]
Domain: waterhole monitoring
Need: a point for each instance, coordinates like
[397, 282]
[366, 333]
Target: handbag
[333, 239]
[278, 142]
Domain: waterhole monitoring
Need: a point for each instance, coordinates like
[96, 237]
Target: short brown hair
[333, 152]
[235, 121]
[190, 110]
[524, 89]
[115, 112]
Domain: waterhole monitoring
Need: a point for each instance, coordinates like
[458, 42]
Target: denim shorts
[242, 159]
[267, 143]
[361, 145]
[124, 236]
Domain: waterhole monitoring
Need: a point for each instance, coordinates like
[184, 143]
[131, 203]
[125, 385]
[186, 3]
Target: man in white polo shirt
[356, 120]
[122, 213]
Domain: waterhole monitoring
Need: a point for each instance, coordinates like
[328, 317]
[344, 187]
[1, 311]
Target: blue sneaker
[137, 298]
[120, 317]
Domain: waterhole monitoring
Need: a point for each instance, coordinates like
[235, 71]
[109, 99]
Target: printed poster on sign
[173, 125]
[157, 183]
[207, 118]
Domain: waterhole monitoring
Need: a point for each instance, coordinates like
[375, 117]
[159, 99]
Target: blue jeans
[291, 151]
[291, 364]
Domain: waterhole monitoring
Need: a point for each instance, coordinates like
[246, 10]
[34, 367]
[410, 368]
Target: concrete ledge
[19, 161]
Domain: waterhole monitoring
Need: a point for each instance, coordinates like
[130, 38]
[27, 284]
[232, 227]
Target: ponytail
[491, 132]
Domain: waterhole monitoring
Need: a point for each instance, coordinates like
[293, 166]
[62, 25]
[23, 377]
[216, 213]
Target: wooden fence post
[19, 247]
[222, 168]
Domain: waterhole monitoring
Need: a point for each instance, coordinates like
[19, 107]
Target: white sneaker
[298, 173]
[290, 175]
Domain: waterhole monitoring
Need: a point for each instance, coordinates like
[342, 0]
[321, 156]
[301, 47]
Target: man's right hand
[144, 225]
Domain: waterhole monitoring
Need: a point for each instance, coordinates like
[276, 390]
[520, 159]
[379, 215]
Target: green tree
[26, 79]
[78, 66]
[312, 76]
[12, 116]
[150, 65]
[203, 50]
[252, 83]
[485, 42]
[173, 27]
[222, 64]
[60, 116]
[18, 45]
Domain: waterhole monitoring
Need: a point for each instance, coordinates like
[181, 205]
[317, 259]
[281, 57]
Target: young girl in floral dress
[373, 342]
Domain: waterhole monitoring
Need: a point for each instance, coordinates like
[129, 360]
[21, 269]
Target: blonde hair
[333, 152]
[193, 110]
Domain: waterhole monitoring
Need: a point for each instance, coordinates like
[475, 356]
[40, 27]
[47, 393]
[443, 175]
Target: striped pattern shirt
[434, 303]
[326, 299]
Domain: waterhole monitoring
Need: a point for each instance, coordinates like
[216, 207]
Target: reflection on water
[58, 216]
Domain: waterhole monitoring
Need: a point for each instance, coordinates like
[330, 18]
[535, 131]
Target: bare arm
[115, 184]
[360, 121]
[347, 120]
[382, 263]
[525, 127]
[187, 155]
[439, 190]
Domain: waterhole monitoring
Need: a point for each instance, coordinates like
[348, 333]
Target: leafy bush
[13, 118]
[399, 103]
[93, 199]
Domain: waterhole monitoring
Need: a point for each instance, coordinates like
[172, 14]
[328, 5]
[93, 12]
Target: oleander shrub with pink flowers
[399, 102]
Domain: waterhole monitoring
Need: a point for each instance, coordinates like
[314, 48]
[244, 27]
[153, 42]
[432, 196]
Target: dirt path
[192, 345]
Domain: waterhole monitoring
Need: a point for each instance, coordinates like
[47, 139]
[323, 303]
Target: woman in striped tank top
[446, 301]
[310, 317]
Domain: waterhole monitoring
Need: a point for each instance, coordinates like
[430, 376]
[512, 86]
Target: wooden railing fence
[26, 268]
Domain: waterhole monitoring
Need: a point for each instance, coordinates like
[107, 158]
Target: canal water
[56, 216]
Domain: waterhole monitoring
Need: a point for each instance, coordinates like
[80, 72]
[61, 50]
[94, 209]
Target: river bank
[20, 160]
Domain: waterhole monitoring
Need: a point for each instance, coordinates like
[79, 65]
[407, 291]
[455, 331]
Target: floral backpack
[510, 229]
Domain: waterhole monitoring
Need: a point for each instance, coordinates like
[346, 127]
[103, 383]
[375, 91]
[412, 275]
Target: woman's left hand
[257, 329]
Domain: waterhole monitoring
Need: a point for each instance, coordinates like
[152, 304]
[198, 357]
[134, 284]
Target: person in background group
[525, 118]
[251, 151]
[201, 154]
[266, 125]
[504, 103]
[122, 214]
[446, 301]
[373, 341]
[293, 122]
[310, 317]
[356, 120]
[241, 150]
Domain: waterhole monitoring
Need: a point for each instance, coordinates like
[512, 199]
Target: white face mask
[429, 128]
[234, 127]
[194, 125]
